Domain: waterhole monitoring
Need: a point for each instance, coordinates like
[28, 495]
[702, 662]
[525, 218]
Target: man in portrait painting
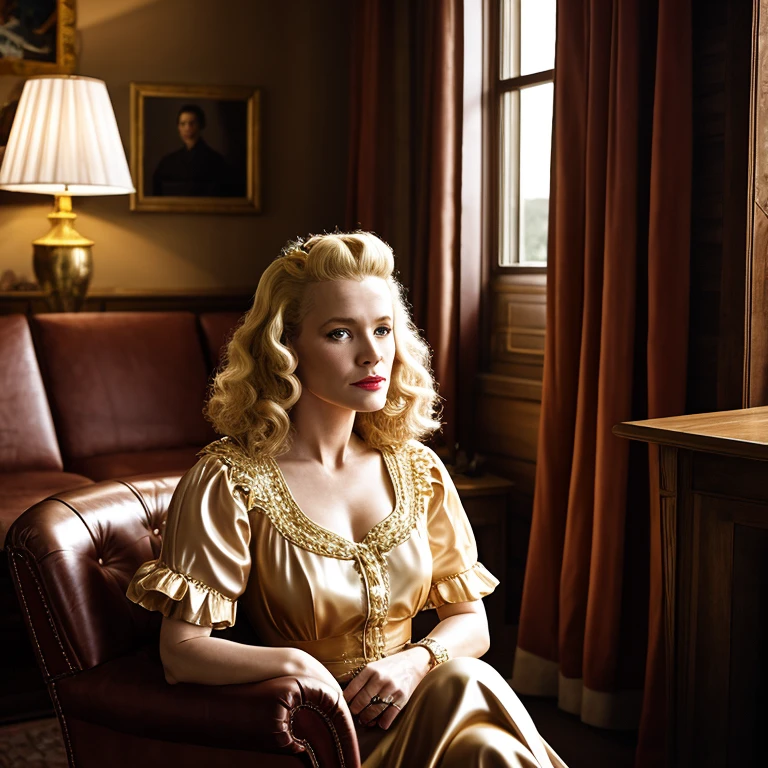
[195, 169]
[28, 29]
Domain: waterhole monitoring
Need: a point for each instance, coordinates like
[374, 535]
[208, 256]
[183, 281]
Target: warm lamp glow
[64, 140]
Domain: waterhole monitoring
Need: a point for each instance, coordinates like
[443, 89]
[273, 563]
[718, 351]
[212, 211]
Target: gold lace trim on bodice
[264, 487]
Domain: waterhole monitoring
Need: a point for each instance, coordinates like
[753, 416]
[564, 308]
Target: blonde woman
[325, 517]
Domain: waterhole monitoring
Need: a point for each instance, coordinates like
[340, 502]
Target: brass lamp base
[63, 262]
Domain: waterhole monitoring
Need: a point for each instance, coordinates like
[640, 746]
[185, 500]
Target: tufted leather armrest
[279, 715]
[71, 558]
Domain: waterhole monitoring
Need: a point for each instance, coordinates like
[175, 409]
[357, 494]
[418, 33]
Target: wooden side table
[713, 485]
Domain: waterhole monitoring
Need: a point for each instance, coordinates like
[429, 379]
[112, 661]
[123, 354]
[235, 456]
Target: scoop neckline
[306, 519]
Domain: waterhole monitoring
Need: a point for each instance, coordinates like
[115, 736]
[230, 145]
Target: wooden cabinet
[713, 486]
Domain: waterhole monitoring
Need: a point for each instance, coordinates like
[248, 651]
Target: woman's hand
[393, 679]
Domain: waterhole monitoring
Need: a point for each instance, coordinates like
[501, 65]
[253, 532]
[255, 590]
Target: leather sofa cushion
[218, 328]
[169, 461]
[124, 381]
[27, 437]
[20, 490]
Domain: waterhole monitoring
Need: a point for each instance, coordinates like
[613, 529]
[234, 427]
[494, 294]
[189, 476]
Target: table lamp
[64, 142]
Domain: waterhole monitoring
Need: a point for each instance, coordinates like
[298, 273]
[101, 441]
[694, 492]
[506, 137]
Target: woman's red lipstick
[371, 383]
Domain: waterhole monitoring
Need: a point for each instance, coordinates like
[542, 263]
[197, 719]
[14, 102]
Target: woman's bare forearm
[215, 661]
[190, 655]
[463, 634]
[463, 629]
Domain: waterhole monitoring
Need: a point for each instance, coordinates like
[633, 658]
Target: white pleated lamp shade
[65, 141]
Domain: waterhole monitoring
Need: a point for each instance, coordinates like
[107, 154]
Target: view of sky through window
[527, 29]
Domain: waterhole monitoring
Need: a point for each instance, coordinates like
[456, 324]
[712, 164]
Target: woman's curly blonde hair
[254, 391]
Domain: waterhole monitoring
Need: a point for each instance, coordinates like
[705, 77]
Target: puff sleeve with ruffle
[457, 576]
[205, 559]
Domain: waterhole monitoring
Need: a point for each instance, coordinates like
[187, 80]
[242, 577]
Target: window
[523, 89]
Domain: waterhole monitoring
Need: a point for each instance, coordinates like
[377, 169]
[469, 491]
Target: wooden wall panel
[509, 393]
[509, 405]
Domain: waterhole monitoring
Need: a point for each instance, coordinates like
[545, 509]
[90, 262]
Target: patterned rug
[37, 744]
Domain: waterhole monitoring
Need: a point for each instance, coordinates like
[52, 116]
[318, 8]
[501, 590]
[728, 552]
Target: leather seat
[71, 559]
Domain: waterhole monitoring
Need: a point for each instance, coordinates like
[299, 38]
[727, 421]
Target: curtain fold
[617, 304]
[405, 160]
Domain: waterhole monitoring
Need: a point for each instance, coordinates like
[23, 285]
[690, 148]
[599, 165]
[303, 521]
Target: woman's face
[346, 345]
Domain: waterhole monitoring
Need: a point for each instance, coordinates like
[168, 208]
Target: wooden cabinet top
[736, 433]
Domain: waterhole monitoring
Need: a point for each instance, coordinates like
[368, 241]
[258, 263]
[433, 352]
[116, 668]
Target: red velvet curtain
[405, 160]
[617, 303]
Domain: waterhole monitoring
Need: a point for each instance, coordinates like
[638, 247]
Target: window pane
[535, 152]
[537, 38]
[509, 42]
[508, 177]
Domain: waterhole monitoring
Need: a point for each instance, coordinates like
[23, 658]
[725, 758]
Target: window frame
[495, 88]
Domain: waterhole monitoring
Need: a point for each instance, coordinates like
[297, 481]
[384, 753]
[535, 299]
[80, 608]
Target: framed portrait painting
[195, 149]
[37, 37]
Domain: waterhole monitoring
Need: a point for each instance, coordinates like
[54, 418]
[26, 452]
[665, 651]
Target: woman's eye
[338, 334]
[386, 330]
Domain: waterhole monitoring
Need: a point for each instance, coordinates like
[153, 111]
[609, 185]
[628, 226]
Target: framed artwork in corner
[195, 149]
[37, 37]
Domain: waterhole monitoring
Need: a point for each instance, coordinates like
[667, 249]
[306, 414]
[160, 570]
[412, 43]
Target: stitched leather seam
[143, 503]
[63, 721]
[12, 558]
[312, 756]
[50, 619]
[328, 722]
[80, 518]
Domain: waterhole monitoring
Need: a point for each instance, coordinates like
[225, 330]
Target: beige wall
[296, 52]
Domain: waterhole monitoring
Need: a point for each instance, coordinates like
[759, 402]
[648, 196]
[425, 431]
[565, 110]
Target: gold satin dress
[234, 534]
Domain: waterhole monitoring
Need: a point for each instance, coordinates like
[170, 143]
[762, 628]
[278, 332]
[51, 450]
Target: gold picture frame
[223, 176]
[40, 44]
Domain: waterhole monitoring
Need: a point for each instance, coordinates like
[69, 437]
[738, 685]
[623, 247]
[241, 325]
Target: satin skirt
[462, 715]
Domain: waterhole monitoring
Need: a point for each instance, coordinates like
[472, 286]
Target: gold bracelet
[436, 650]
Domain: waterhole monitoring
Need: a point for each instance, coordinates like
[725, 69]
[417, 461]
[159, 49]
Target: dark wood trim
[524, 81]
[529, 269]
[731, 336]
[756, 341]
[194, 300]
[743, 432]
[491, 155]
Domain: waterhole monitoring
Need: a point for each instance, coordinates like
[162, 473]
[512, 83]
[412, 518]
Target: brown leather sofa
[31, 466]
[71, 558]
[125, 389]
